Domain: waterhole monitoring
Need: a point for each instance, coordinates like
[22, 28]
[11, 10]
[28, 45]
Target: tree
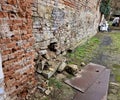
[105, 7]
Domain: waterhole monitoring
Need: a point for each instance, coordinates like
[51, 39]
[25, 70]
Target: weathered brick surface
[16, 41]
[66, 22]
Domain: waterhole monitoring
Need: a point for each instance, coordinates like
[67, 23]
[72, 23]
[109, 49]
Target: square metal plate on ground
[86, 78]
[98, 91]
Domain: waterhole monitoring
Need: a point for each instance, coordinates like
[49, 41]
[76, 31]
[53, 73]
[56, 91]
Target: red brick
[18, 76]
[7, 7]
[5, 40]
[15, 49]
[29, 29]
[17, 32]
[9, 73]
[29, 21]
[11, 44]
[19, 53]
[10, 82]
[14, 27]
[12, 2]
[21, 13]
[26, 36]
[9, 62]
[2, 1]
[16, 37]
[3, 14]
[18, 22]
[6, 52]
[68, 3]
[4, 58]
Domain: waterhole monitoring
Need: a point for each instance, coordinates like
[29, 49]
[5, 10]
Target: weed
[55, 82]
[83, 51]
[116, 71]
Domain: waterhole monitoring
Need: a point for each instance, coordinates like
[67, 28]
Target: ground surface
[103, 49]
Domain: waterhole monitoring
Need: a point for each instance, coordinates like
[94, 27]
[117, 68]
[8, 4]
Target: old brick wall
[63, 24]
[57, 26]
[16, 41]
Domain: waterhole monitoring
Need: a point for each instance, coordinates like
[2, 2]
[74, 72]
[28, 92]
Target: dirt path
[101, 57]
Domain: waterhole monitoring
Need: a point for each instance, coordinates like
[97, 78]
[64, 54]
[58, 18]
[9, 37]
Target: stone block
[51, 71]
[62, 67]
[72, 69]
[43, 52]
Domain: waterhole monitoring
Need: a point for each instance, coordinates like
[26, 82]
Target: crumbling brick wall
[16, 41]
[57, 26]
[63, 24]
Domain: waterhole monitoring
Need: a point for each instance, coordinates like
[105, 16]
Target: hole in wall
[52, 46]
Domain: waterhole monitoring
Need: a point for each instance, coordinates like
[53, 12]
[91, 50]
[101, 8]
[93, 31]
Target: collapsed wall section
[16, 47]
[62, 24]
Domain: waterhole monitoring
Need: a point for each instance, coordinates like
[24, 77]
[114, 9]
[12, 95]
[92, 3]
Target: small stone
[52, 55]
[51, 69]
[51, 88]
[43, 52]
[36, 94]
[41, 66]
[62, 67]
[41, 89]
[60, 76]
[114, 84]
[112, 97]
[34, 8]
[47, 56]
[72, 69]
[113, 91]
[54, 40]
[48, 73]
[50, 62]
[0, 8]
[36, 55]
[64, 53]
[82, 64]
[58, 52]
[47, 92]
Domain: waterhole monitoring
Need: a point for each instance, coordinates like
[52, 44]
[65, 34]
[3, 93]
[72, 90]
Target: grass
[116, 71]
[83, 51]
[115, 49]
[56, 83]
[116, 41]
[61, 91]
